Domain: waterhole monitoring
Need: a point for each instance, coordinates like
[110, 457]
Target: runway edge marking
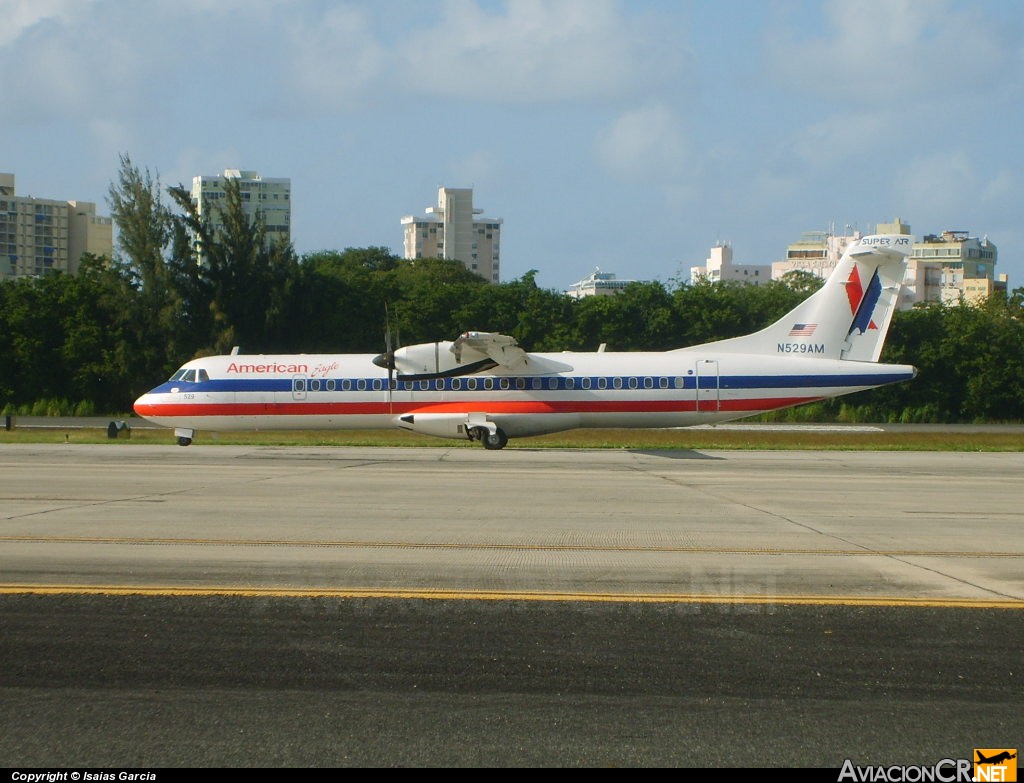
[496, 595]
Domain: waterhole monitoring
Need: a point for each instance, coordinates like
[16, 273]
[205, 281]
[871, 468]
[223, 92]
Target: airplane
[996, 759]
[484, 387]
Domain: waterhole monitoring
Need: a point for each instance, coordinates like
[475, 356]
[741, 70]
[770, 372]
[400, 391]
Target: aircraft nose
[141, 405]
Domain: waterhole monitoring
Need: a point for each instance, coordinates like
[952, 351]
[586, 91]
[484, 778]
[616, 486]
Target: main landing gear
[491, 440]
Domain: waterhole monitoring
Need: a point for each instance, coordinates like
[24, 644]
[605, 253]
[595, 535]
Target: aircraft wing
[500, 348]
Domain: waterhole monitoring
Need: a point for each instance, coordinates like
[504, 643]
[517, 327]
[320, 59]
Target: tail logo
[862, 302]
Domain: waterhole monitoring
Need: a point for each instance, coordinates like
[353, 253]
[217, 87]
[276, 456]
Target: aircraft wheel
[184, 441]
[495, 440]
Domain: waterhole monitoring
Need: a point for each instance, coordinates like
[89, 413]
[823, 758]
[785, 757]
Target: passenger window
[456, 384]
[330, 385]
[602, 383]
[585, 383]
[377, 384]
[314, 385]
[300, 384]
[663, 383]
[648, 383]
[617, 383]
[471, 384]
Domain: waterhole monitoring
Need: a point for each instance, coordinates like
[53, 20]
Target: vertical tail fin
[849, 316]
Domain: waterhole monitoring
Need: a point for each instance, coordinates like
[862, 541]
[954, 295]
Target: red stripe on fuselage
[535, 407]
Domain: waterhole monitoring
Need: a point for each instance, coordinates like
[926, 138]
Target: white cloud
[20, 16]
[334, 58]
[536, 51]
[63, 73]
[936, 187]
[474, 167]
[1001, 188]
[645, 144]
[888, 52]
[844, 136]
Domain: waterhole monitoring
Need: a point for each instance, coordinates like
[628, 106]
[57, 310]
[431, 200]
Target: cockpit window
[190, 376]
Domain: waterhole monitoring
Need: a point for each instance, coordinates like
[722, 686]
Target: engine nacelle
[437, 360]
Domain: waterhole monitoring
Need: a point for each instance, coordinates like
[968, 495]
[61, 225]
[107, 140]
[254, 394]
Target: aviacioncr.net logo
[998, 765]
[945, 771]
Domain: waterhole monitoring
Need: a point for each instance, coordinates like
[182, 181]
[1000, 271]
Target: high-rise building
[949, 267]
[453, 230]
[269, 197]
[816, 252]
[719, 266]
[40, 236]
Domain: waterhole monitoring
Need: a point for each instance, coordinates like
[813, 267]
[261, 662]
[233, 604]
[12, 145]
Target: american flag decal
[802, 330]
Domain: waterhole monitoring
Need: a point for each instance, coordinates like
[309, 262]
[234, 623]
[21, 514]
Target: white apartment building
[598, 283]
[269, 197]
[455, 229]
[719, 266]
[951, 267]
[948, 267]
[816, 252]
[41, 236]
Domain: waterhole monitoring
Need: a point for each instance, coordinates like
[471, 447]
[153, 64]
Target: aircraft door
[299, 384]
[707, 386]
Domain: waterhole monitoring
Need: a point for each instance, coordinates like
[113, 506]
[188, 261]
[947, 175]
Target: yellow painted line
[506, 595]
[136, 541]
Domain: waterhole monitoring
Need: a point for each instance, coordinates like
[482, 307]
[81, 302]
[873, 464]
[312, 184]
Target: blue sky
[626, 135]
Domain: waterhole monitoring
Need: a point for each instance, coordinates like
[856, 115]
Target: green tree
[143, 227]
[144, 230]
[245, 281]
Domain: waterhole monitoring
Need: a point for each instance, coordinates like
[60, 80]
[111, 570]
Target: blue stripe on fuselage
[445, 384]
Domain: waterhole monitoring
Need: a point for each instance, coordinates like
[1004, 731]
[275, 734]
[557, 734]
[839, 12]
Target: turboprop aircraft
[483, 386]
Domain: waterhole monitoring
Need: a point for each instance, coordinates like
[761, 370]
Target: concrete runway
[239, 606]
[733, 526]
